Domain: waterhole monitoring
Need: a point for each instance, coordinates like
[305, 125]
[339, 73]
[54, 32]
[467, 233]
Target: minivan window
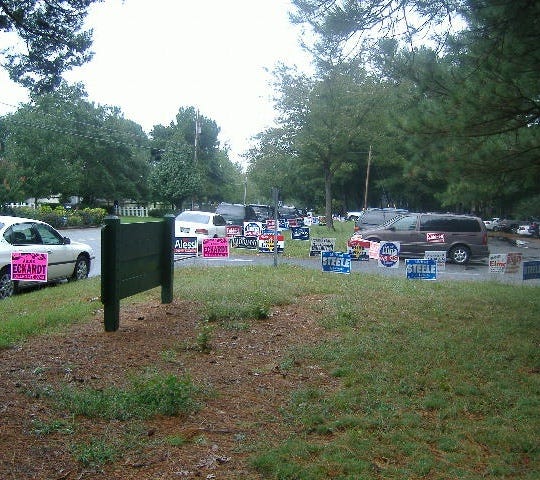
[377, 216]
[406, 223]
[440, 223]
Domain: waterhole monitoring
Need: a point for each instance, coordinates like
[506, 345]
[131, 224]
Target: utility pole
[367, 178]
[195, 148]
[197, 133]
[275, 198]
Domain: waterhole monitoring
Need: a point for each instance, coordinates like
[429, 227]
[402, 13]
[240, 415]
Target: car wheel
[7, 286]
[82, 268]
[459, 254]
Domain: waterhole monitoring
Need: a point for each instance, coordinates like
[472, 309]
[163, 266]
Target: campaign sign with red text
[497, 262]
[215, 247]
[389, 254]
[267, 242]
[513, 262]
[233, 231]
[186, 246]
[374, 248]
[293, 222]
[358, 249]
[271, 224]
[29, 266]
[435, 237]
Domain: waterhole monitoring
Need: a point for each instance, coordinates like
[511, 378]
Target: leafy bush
[160, 212]
[60, 217]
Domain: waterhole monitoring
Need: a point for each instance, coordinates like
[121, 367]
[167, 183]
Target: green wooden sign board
[135, 257]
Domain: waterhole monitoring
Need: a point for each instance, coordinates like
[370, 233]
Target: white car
[65, 259]
[353, 216]
[193, 223]
[491, 223]
[524, 230]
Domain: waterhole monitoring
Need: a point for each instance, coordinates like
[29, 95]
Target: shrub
[160, 212]
[59, 217]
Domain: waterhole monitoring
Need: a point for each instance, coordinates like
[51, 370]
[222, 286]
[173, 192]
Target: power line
[103, 137]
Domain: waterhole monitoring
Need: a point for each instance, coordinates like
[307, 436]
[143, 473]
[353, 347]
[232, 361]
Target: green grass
[435, 380]
[146, 396]
[24, 315]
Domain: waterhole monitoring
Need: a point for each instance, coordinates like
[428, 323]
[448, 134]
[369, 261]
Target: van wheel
[7, 286]
[459, 254]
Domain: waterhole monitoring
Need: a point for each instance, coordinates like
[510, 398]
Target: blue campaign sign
[337, 262]
[300, 233]
[389, 254]
[421, 268]
[531, 270]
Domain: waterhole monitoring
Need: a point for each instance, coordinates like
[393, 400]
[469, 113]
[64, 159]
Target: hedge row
[60, 217]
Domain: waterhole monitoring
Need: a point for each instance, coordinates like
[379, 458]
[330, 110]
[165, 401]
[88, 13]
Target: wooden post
[110, 273]
[167, 269]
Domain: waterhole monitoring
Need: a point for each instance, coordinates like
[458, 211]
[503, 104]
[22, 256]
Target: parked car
[462, 237]
[287, 213]
[525, 230]
[491, 223]
[194, 223]
[65, 259]
[353, 216]
[535, 228]
[373, 217]
[507, 225]
[263, 212]
[236, 213]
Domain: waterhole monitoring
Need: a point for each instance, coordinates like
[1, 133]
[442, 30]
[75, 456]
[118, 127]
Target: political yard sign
[29, 266]
[337, 262]
[358, 249]
[531, 270]
[300, 233]
[389, 254]
[215, 247]
[233, 231]
[319, 245]
[251, 243]
[514, 260]
[186, 246]
[253, 229]
[439, 256]
[266, 243]
[497, 262]
[421, 268]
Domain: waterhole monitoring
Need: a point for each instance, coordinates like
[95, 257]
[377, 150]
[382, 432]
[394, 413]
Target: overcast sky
[153, 57]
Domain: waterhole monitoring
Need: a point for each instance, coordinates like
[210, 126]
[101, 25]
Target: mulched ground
[244, 368]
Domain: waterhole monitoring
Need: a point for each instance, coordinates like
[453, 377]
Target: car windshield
[194, 217]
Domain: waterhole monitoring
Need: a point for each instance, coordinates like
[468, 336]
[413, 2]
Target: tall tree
[190, 147]
[52, 40]
[173, 179]
[476, 113]
[62, 144]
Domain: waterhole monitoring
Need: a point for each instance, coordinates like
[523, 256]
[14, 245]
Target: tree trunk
[328, 195]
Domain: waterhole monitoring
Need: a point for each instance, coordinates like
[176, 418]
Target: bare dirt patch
[244, 367]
